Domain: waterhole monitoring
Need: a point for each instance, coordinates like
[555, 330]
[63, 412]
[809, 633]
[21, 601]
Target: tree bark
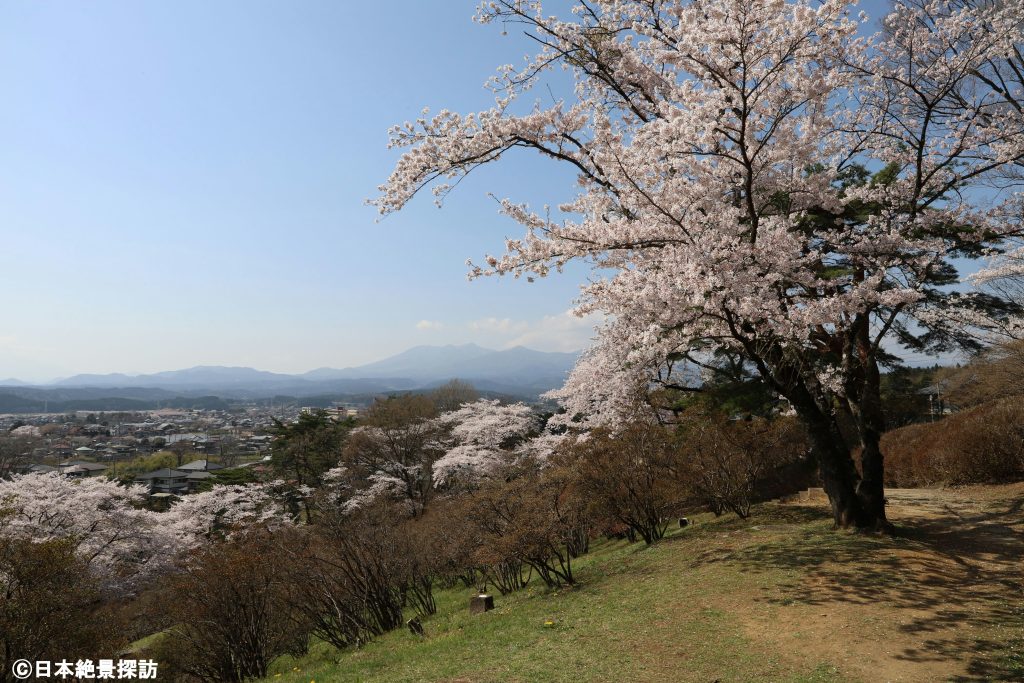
[842, 482]
[838, 472]
[864, 404]
[870, 420]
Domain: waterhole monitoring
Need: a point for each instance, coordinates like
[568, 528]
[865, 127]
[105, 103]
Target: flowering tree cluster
[103, 519]
[113, 534]
[757, 178]
[540, 447]
[484, 435]
[223, 510]
[405, 450]
[391, 453]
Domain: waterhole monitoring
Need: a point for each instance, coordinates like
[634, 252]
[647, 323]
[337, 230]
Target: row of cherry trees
[84, 564]
[112, 532]
[404, 452]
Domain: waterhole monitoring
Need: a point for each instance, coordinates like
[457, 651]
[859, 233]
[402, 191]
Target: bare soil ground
[942, 602]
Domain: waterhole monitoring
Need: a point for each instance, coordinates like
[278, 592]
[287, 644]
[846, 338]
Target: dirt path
[943, 602]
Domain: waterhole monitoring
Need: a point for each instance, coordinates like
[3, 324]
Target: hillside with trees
[741, 480]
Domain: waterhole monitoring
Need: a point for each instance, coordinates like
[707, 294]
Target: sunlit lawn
[638, 614]
[779, 597]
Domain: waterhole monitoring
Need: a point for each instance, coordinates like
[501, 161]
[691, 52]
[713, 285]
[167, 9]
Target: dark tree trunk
[838, 472]
[871, 491]
[864, 405]
[870, 420]
[853, 504]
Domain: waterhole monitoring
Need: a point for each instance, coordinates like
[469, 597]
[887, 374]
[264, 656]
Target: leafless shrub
[629, 478]
[232, 613]
[51, 607]
[527, 518]
[995, 374]
[984, 444]
[725, 459]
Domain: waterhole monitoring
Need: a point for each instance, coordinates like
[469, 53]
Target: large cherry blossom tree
[757, 177]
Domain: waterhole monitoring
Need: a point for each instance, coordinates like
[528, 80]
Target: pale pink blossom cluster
[484, 435]
[541, 447]
[714, 142]
[111, 533]
[224, 510]
[26, 431]
[489, 423]
[1009, 265]
[344, 492]
[121, 541]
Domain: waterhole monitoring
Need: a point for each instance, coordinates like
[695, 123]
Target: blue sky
[183, 183]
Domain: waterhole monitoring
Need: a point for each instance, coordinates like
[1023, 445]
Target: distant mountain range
[518, 371]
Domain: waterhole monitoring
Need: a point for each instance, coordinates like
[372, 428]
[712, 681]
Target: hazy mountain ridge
[516, 371]
[417, 362]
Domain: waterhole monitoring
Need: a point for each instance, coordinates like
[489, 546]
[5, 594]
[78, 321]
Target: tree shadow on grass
[963, 571]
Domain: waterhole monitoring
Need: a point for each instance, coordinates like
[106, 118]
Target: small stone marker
[478, 604]
[415, 626]
[812, 493]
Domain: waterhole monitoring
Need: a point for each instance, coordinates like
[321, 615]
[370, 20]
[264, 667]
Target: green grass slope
[779, 597]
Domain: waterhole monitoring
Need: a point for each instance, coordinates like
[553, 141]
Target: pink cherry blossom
[755, 177]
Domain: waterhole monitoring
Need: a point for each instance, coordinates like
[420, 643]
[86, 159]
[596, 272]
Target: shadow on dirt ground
[951, 585]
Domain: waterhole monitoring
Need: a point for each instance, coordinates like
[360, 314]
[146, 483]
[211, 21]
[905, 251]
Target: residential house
[198, 472]
[165, 480]
[81, 469]
[201, 466]
[195, 479]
